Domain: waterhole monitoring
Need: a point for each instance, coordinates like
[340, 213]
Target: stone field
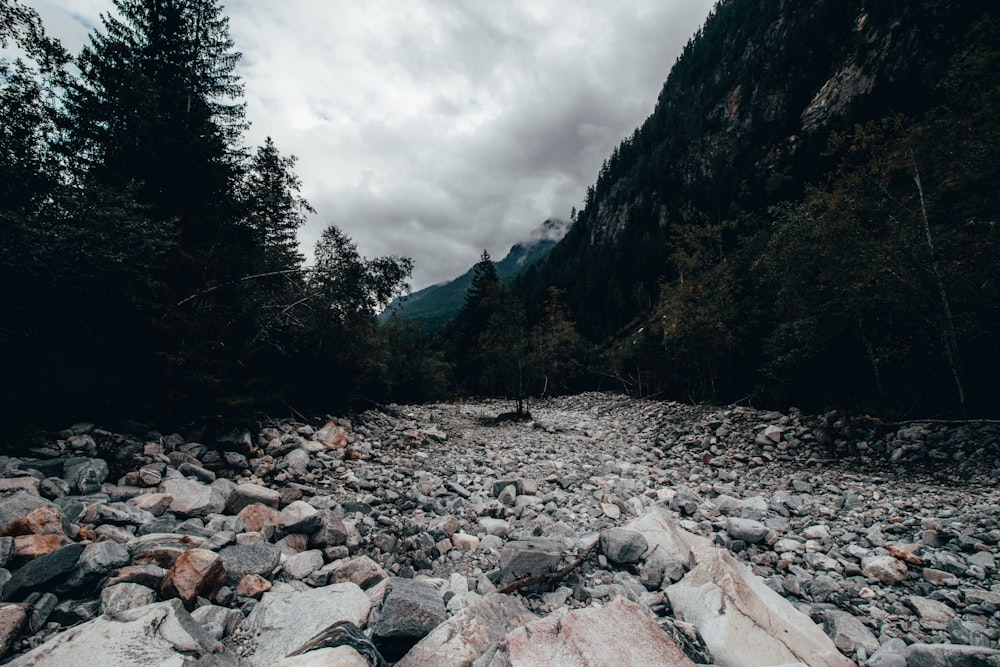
[603, 531]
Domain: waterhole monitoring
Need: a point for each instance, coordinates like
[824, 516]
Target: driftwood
[536, 579]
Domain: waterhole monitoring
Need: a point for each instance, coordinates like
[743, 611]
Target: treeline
[860, 274]
[149, 264]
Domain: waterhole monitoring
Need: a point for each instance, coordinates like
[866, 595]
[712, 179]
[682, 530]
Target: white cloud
[434, 129]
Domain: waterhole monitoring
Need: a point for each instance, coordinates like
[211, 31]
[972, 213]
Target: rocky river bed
[603, 531]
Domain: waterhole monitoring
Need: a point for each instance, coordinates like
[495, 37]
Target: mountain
[683, 263]
[437, 305]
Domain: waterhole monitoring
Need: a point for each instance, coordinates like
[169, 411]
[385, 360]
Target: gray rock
[950, 655]
[286, 618]
[301, 565]
[121, 597]
[411, 608]
[240, 560]
[848, 633]
[218, 621]
[248, 494]
[43, 572]
[157, 634]
[360, 570]
[623, 546]
[13, 618]
[96, 561]
[191, 498]
[19, 505]
[466, 635]
[892, 653]
[885, 569]
[530, 557]
[747, 530]
[330, 531]
[85, 474]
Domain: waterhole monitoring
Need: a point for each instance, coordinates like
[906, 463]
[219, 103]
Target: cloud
[435, 130]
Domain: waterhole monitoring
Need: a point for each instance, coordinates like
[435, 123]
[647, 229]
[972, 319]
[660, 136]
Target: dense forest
[150, 265]
[808, 217]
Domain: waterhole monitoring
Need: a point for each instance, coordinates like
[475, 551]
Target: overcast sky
[439, 128]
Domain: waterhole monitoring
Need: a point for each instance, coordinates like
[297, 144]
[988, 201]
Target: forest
[151, 268]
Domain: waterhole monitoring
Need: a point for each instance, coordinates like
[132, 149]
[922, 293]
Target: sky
[436, 129]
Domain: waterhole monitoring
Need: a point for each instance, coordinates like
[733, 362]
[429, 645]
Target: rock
[85, 474]
[410, 609]
[43, 520]
[43, 572]
[360, 570]
[154, 503]
[342, 634]
[465, 636]
[29, 484]
[892, 653]
[622, 633]
[33, 546]
[848, 633]
[157, 634]
[332, 435]
[497, 527]
[743, 622]
[340, 656]
[747, 530]
[303, 564]
[260, 559]
[96, 561]
[949, 655]
[189, 497]
[299, 517]
[121, 597]
[932, 614]
[285, 618]
[256, 515]
[12, 620]
[885, 569]
[623, 546]
[330, 531]
[218, 621]
[531, 557]
[253, 586]
[196, 573]
[248, 494]
[19, 505]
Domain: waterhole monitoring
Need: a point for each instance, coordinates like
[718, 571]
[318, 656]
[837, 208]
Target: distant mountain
[437, 305]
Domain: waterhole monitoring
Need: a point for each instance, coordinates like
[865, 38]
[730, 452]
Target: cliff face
[741, 123]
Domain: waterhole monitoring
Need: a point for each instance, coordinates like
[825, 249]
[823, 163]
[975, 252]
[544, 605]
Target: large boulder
[621, 633]
[410, 609]
[161, 634]
[743, 622]
[466, 635]
[287, 618]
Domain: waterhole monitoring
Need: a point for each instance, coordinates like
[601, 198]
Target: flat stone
[154, 503]
[253, 586]
[531, 557]
[45, 520]
[43, 572]
[286, 618]
[95, 562]
[34, 546]
[742, 621]
[299, 517]
[161, 634]
[465, 636]
[621, 633]
[191, 498]
[932, 614]
[217, 621]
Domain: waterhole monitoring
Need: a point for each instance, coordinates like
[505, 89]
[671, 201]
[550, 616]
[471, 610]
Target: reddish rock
[12, 618]
[253, 585]
[40, 521]
[255, 515]
[33, 546]
[332, 435]
[196, 573]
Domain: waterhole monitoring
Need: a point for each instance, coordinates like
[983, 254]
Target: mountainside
[437, 305]
[765, 103]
